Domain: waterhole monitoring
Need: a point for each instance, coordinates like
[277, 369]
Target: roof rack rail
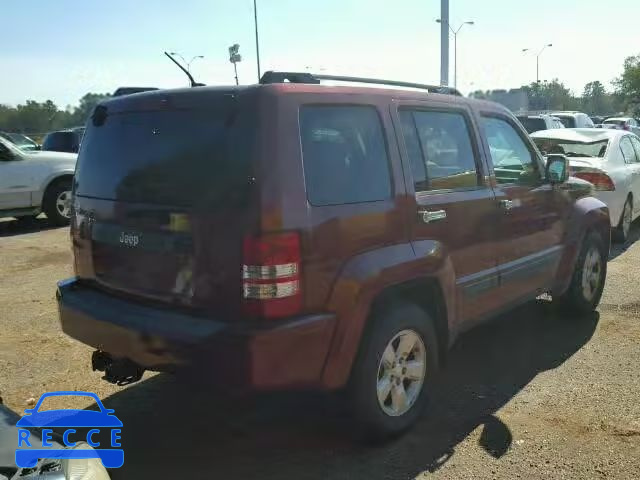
[312, 78]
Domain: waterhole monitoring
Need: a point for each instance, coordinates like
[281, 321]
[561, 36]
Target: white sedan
[610, 160]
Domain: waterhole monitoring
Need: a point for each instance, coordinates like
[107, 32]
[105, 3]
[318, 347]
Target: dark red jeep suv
[297, 235]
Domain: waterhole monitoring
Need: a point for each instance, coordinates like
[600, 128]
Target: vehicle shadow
[174, 429]
[618, 249]
[10, 227]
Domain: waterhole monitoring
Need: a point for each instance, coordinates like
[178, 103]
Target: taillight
[600, 180]
[271, 275]
[626, 127]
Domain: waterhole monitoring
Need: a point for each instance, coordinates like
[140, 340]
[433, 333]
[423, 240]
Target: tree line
[35, 117]
[594, 99]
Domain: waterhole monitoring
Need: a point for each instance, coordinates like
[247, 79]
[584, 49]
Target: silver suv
[34, 182]
[537, 122]
[574, 119]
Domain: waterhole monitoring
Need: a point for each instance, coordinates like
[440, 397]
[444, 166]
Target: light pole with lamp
[538, 59]
[455, 47]
[188, 64]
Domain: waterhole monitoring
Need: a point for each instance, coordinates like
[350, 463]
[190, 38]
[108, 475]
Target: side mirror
[557, 170]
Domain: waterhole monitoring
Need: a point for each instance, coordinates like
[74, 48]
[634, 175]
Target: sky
[62, 49]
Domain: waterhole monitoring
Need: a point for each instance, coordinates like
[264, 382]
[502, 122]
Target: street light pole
[455, 47]
[444, 43]
[255, 21]
[188, 64]
[538, 59]
[191, 61]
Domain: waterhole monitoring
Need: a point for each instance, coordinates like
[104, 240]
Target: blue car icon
[64, 418]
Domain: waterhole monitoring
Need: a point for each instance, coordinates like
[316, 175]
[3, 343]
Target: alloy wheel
[63, 203]
[591, 273]
[401, 373]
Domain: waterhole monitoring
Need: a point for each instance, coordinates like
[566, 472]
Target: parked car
[610, 160]
[622, 123]
[294, 235]
[21, 141]
[34, 182]
[533, 123]
[597, 119]
[63, 141]
[574, 119]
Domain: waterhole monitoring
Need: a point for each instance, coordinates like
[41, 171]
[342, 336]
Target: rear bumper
[271, 355]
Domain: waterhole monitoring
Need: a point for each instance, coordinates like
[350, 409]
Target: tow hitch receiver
[120, 371]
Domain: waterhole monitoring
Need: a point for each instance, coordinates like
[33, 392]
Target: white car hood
[586, 135]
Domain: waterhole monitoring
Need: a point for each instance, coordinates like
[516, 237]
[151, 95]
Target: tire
[621, 232]
[587, 281]
[58, 191]
[380, 419]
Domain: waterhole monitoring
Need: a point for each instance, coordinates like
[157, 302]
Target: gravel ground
[531, 396]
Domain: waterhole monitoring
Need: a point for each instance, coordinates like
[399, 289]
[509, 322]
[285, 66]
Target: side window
[344, 155]
[440, 150]
[635, 141]
[628, 152]
[513, 161]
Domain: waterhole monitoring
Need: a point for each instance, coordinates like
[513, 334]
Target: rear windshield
[567, 121]
[189, 158]
[532, 124]
[615, 122]
[572, 149]
[61, 142]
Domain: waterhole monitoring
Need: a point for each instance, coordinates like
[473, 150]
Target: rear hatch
[162, 193]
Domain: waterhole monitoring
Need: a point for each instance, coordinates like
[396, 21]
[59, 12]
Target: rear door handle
[506, 205]
[430, 216]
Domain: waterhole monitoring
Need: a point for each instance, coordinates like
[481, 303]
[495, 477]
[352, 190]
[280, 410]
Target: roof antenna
[191, 80]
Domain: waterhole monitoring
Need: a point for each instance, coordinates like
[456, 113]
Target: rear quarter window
[344, 155]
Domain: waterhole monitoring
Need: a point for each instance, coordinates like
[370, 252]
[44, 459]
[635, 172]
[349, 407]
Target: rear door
[454, 206]
[531, 224]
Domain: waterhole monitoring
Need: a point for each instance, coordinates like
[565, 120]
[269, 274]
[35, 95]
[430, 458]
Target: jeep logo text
[129, 239]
